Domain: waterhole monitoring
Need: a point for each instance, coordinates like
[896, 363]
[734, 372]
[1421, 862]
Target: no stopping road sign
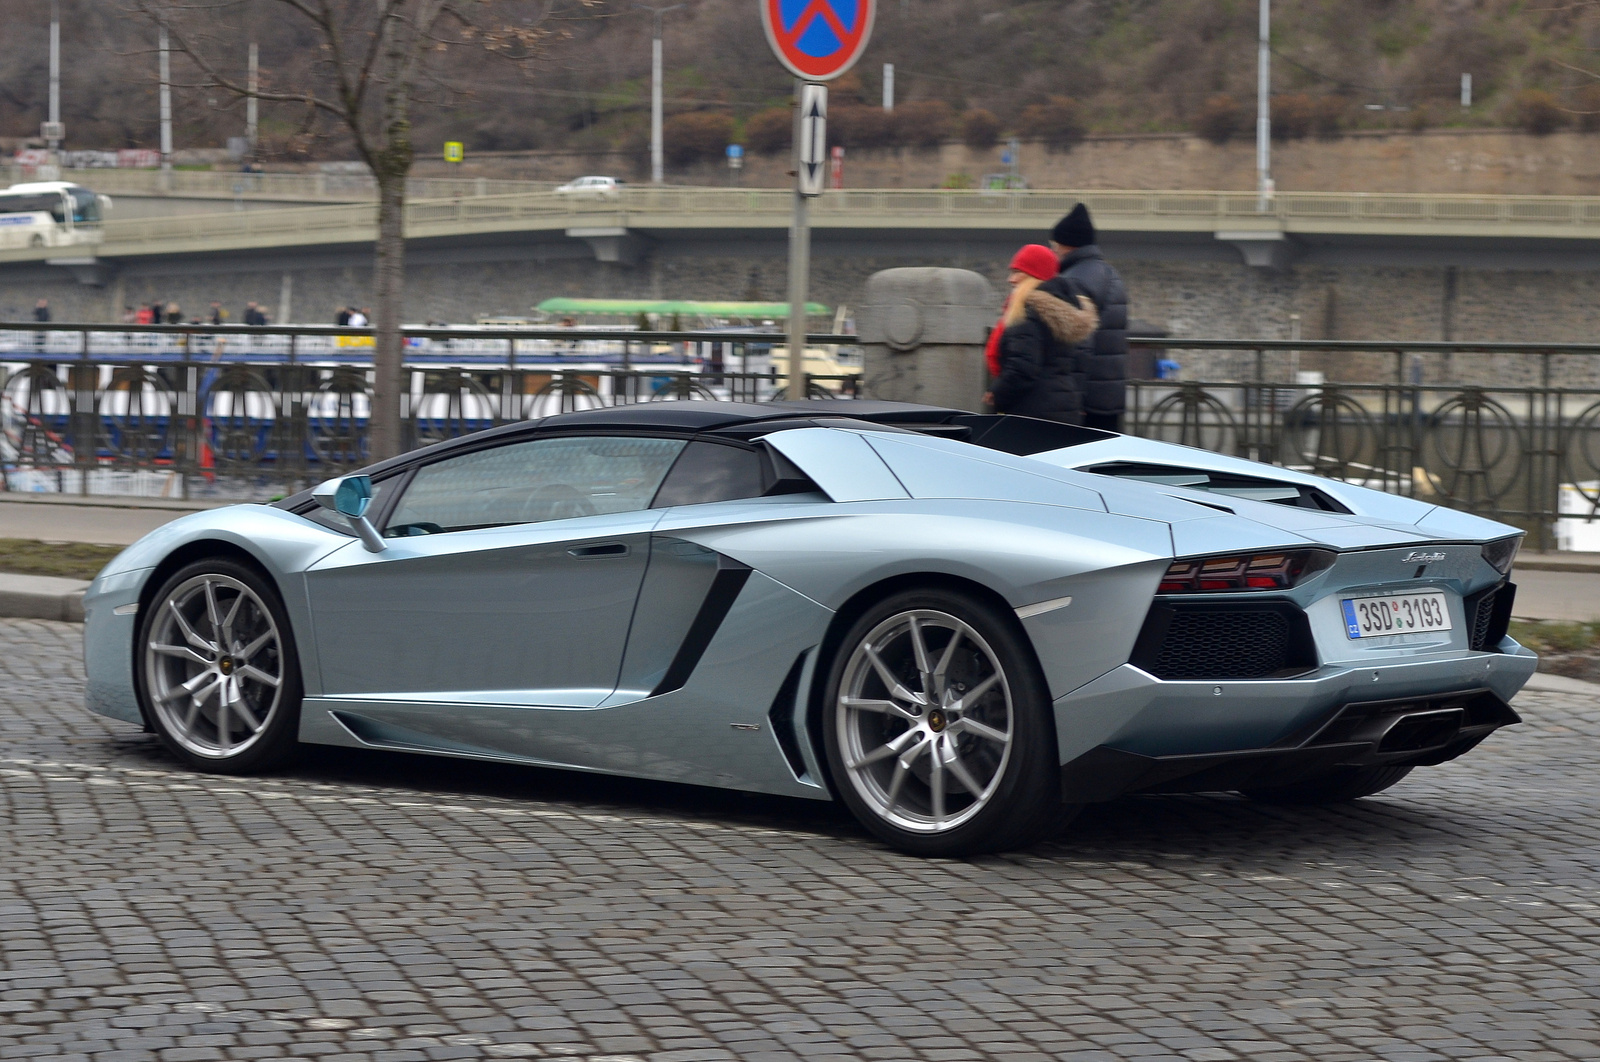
[818, 39]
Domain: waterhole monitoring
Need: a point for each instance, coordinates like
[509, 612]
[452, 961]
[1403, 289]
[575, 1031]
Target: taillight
[1502, 554]
[1250, 571]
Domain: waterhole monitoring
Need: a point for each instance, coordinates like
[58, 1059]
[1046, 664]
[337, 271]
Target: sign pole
[816, 41]
[799, 261]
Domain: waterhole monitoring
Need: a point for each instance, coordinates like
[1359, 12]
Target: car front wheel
[938, 728]
[219, 677]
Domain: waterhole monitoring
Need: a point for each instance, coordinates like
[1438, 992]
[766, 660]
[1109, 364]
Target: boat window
[528, 482]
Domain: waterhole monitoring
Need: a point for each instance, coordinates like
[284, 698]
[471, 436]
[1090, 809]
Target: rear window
[712, 472]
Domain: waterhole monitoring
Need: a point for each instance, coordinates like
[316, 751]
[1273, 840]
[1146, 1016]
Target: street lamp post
[166, 110]
[253, 81]
[1264, 110]
[657, 155]
[53, 130]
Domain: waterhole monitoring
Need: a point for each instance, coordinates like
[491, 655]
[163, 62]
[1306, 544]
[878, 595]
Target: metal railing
[250, 413]
[311, 187]
[1505, 430]
[468, 211]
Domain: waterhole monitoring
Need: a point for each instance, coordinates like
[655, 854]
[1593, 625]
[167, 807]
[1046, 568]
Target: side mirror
[350, 497]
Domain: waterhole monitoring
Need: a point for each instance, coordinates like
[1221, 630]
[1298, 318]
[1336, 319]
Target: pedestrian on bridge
[41, 313]
[1031, 350]
[1102, 358]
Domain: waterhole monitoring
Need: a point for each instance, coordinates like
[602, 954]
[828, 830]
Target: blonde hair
[1017, 305]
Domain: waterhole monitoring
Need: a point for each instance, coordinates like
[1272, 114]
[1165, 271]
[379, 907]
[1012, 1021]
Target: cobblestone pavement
[389, 907]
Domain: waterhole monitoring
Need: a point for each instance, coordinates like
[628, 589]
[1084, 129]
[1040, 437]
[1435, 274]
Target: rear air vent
[1489, 616]
[1222, 641]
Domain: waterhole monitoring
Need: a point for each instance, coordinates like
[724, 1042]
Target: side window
[710, 472]
[529, 482]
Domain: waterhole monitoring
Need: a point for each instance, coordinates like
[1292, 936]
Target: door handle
[607, 549]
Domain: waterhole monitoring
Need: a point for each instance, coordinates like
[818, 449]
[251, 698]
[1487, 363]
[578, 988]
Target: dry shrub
[770, 131]
[1586, 101]
[1329, 115]
[1220, 119]
[925, 123]
[697, 136]
[980, 129]
[1537, 112]
[855, 126]
[1058, 122]
[1292, 116]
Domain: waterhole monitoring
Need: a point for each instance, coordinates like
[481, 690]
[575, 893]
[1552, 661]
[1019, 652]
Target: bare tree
[375, 60]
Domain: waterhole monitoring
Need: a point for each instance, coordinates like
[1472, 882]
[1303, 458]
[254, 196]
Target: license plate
[1374, 617]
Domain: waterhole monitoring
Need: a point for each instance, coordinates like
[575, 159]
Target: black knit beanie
[1074, 230]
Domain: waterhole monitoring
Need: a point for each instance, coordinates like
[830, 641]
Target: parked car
[593, 187]
[962, 626]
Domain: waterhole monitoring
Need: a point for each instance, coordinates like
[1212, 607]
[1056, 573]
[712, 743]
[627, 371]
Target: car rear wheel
[938, 728]
[219, 676]
[1332, 787]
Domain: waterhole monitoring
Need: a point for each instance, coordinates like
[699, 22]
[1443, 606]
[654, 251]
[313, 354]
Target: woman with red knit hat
[1030, 349]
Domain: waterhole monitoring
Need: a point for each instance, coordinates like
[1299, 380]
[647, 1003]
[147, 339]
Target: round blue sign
[818, 39]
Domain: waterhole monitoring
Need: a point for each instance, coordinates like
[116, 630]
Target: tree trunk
[384, 437]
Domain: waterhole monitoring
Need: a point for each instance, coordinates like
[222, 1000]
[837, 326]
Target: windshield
[85, 206]
[34, 203]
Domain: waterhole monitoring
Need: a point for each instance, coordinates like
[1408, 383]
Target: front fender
[283, 544]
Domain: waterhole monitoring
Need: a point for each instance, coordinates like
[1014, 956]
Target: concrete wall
[1216, 297]
[1480, 161]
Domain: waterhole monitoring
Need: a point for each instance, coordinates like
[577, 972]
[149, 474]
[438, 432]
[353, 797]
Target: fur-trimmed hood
[1070, 322]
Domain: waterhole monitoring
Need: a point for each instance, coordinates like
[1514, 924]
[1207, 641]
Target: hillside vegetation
[972, 69]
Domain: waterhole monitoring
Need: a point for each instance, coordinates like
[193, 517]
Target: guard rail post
[922, 335]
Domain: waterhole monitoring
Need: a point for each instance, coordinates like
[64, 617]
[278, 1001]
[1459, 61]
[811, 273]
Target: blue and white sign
[818, 39]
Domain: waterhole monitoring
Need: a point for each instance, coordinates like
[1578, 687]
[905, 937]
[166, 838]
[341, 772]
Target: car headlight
[1278, 570]
[1502, 555]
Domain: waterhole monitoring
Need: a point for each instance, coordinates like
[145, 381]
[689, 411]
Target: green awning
[682, 307]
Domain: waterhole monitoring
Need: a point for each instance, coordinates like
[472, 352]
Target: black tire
[232, 696]
[1337, 786]
[894, 793]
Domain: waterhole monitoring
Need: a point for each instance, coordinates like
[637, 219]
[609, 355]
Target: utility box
[922, 334]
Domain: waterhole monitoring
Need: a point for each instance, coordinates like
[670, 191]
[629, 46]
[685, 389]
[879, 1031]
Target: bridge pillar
[89, 271]
[1262, 249]
[922, 334]
[611, 243]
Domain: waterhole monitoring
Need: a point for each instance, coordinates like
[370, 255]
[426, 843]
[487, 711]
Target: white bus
[50, 214]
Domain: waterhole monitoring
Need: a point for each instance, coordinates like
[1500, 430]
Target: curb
[1541, 682]
[1558, 562]
[41, 597]
[111, 501]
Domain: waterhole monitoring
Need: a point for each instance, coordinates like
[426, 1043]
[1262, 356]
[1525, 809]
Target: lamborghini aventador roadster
[962, 626]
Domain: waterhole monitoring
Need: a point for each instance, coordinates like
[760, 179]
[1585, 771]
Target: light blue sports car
[962, 626]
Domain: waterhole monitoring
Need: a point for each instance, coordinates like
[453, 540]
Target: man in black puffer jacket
[1101, 370]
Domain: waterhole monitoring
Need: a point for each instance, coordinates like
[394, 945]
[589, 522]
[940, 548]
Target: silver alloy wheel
[214, 666]
[924, 721]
